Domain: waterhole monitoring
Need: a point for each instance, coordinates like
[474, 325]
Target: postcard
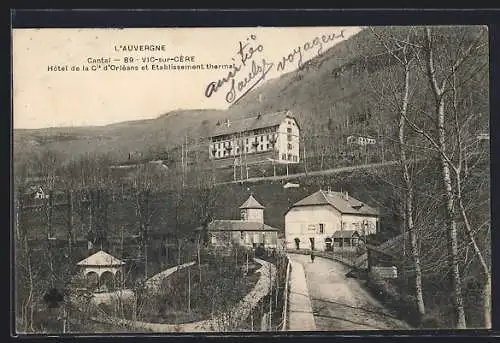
[250, 179]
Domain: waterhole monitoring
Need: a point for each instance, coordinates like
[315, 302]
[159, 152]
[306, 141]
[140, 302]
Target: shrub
[260, 252]
[388, 293]
[431, 321]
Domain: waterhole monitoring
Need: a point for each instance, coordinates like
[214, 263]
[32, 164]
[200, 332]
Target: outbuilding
[102, 271]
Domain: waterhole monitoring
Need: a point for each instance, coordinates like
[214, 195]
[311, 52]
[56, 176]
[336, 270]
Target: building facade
[312, 222]
[361, 140]
[249, 231]
[257, 138]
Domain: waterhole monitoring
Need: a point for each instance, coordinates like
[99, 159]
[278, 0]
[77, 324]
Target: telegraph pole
[70, 221]
[182, 163]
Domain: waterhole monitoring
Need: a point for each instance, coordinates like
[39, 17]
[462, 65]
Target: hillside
[337, 93]
[309, 93]
[118, 139]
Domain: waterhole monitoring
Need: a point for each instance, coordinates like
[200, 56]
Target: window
[294, 158]
[218, 153]
[290, 147]
[283, 156]
[289, 130]
[242, 235]
[213, 239]
[247, 140]
[246, 149]
[289, 157]
[268, 146]
[321, 226]
[289, 137]
[261, 138]
[218, 145]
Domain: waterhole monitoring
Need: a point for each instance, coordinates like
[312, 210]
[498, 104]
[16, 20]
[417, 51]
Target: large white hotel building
[259, 138]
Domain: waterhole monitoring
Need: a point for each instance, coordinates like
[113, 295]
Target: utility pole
[270, 298]
[70, 221]
[234, 171]
[50, 237]
[304, 153]
[247, 262]
[121, 241]
[186, 149]
[91, 216]
[182, 163]
[189, 289]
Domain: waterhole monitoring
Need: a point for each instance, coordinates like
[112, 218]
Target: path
[223, 323]
[300, 312]
[314, 173]
[124, 294]
[341, 303]
[156, 280]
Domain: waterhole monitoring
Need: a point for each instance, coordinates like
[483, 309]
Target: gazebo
[102, 271]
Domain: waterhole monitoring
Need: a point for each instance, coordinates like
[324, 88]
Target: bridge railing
[350, 259]
[285, 301]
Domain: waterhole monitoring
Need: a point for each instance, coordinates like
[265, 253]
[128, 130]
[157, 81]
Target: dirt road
[341, 303]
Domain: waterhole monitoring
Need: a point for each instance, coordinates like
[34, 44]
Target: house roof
[345, 205]
[251, 203]
[251, 123]
[238, 225]
[345, 234]
[101, 258]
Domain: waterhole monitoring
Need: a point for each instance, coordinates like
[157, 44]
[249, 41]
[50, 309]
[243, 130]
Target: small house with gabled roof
[312, 222]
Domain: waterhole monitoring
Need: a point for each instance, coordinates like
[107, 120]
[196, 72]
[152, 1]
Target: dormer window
[357, 207]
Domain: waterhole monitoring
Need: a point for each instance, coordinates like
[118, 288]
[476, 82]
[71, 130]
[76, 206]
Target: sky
[48, 98]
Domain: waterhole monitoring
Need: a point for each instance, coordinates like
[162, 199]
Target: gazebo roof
[101, 258]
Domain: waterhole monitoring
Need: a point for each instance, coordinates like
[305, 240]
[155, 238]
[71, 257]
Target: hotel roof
[251, 123]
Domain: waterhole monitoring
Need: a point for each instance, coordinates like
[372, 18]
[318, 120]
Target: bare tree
[452, 170]
[23, 259]
[406, 59]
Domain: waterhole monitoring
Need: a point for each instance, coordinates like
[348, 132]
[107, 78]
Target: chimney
[346, 196]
